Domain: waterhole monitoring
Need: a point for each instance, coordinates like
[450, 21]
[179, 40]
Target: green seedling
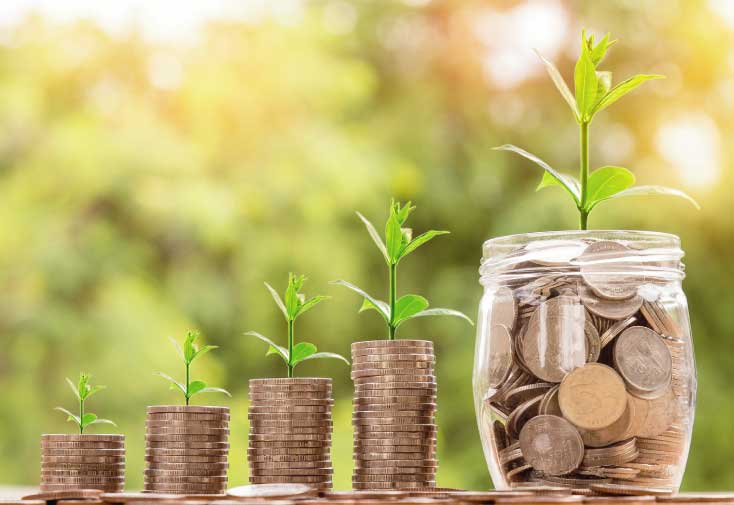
[294, 305]
[82, 391]
[399, 243]
[593, 93]
[188, 353]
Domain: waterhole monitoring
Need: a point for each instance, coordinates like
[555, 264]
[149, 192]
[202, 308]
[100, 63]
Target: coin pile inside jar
[83, 462]
[290, 431]
[186, 449]
[394, 414]
[590, 369]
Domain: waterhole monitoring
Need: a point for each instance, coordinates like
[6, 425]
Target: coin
[403, 356]
[551, 444]
[50, 451]
[83, 459]
[549, 404]
[369, 344]
[554, 342]
[186, 430]
[655, 416]
[295, 409]
[643, 361]
[258, 396]
[279, 479]
[603, 269]
[592, 397]
[188, 416]
[71, 494]
[521, 415]
[611, 309]
[272, 491]
[616, 329]
[394, 421]
[181, 437]
[186, 445]
[185, 452]
[374, 401]
[185, 423]
[392, 371]
[186, 409]
[287, 437]
[625, 489]
[609, 434]
[387, 386]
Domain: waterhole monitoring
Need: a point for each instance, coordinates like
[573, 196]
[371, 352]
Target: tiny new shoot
[593, 93]
[188, 353]
[82, 391]
[399, 243]
[292, 306]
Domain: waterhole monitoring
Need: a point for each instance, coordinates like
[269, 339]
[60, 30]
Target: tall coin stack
[186, 449]
[394, 414]
[83, 462]
[290, 431]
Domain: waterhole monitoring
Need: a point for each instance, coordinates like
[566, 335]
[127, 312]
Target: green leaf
[407, 306]
[174, 383]
[569, 183]
[177, 346]
[378, 305]
[605, 182]
[652, 191]
[311, 303]
[375, 236]
[93, 390]
[102, 421]
[204, 350]
[88, 419]
[292, 298]
[420, 240]
[402, 212]
[548, 180]
[277, 299]
[597, 53]
[329, 355]
[442, 312]
[83, 387]
[622, 89]
[368, 305]
[210, 389]
[301, 351]
[73, 388]
[393, 237]
[604, 83]
[585, 84]
[555, 76]
[188, 347]
[273, 349]
[70, 416]
[196, 387]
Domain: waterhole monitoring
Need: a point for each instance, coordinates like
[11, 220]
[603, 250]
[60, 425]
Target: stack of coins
[186, 449]
[290, 431]
[83, 462]
[394, 414]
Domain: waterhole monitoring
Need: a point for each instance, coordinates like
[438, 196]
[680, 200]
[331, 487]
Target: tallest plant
[593, 93]
[399, 243]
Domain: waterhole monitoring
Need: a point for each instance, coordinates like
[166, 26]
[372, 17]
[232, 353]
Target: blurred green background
[159, 161]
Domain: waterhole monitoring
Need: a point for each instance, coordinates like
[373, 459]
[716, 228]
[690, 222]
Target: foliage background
[150, 186]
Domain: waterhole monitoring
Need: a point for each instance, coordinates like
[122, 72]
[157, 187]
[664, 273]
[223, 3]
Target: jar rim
[526, 254]
[658, 238]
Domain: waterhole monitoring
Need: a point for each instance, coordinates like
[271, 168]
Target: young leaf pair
[188, 353]
[397, 245]
[593, 93]
[83, 390]
[292, 306]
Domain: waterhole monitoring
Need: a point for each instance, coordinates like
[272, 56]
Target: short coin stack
[394, 414]
[83, 461]
[290, 431]
[186, 449]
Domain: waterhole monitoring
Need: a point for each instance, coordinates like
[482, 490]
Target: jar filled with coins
[584, 374]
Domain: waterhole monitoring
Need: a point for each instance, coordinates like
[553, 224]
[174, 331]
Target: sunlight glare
[691, 144]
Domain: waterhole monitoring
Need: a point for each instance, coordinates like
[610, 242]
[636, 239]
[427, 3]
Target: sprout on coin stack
[290, 418]
[395, 385]
[186, 446]
[83, 461]
[584, 373]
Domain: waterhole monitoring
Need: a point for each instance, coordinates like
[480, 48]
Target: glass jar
[584, 372]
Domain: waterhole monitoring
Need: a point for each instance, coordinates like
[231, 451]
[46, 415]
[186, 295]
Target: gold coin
[592, 397]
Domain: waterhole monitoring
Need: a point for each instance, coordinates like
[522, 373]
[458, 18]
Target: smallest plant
[82, 391]
[294, 305]
[188, 353]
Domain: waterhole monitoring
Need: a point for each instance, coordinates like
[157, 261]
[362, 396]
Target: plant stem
[290, 348]
[393, 291]
[584, 173]
[81, 416]
[187, 382]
